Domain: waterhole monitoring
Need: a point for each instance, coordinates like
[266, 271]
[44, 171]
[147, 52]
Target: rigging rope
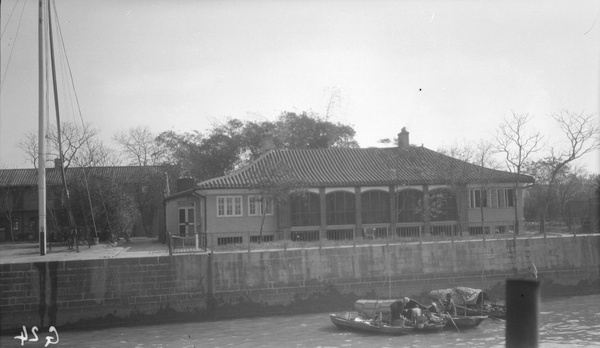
[13, 47]
[9, 17]
[70, 75]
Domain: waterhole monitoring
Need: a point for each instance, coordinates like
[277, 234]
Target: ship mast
[41, 132]
[72, 224]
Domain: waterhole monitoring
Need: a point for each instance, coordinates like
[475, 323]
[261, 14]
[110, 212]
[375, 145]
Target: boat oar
[497, 318]
[450, 315]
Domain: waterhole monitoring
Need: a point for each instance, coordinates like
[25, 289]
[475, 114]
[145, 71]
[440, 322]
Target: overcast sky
[448, 71]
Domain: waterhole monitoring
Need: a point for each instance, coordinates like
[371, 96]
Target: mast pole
[41, 134]
[72, 224]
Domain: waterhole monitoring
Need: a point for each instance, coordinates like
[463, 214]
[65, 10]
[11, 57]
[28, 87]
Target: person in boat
[449, 306]
[433, 309]
[421, 320]
[414, 314]
[397, 308]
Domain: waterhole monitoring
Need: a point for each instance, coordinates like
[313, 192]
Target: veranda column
[358, 211]
[393, 215]
[284, 215]
[323, 206]
[462, 207]
[426, 212]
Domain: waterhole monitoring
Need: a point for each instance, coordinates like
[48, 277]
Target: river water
[564, 322]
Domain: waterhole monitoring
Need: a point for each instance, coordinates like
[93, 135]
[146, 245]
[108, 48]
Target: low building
[341, 193]
[19, 215]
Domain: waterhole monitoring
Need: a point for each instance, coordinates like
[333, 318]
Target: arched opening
[375, 205]
[442, 205]
[305, 209]
[409, 206]
[341, 208]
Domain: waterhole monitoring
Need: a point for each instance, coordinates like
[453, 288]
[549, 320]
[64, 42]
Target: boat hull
[354, 322]
[463, 322]
[498, 313]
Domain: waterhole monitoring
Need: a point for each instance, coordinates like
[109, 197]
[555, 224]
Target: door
[187, 220]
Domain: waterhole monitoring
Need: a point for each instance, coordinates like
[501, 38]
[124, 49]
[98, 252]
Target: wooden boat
[471, 302]
[355, 322]
[464, 322]
[494, 311]
[369, 308]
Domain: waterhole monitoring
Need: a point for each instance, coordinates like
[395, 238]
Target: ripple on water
[563, 323]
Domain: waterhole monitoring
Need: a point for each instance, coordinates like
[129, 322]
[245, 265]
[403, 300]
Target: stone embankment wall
[221, 285]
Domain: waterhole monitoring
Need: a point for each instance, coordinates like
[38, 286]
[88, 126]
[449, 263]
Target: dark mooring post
[522, 313]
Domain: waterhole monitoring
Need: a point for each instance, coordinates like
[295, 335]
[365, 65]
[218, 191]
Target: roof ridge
[365, 166]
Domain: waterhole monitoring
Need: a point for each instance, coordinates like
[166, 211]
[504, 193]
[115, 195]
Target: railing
[348, 235]
[186, 244]
[561, 226]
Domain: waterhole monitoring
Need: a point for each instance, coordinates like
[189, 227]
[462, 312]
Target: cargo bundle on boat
[471, 302]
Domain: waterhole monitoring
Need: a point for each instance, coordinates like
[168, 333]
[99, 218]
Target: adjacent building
[341, 193]
[19, 198]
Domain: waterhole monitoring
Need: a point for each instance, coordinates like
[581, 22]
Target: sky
[448, 71]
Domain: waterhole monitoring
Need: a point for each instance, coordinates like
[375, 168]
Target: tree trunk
[516, 215]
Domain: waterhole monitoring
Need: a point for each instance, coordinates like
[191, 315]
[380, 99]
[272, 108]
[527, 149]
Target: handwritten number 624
[49, 339]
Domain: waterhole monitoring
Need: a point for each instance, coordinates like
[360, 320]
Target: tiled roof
[364, 167]
[28, 177]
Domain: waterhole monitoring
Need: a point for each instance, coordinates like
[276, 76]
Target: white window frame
[514, 197]
[473, 200]
[231, 206]
[504, 194]
[255, 205]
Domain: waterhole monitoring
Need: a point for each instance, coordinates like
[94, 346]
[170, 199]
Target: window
[409, 206]
[478, 198]
[375, 207]
[506, 197]
[340, 208]
[229, 240]
[15, 224]
[305, 209]
[509, 195]
[256, 204]
[259, 239]
[229, 206]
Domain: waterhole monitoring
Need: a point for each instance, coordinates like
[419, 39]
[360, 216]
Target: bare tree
[583, 136]
[80, 146]
[94, 153]
[518, 145]
[456, 171]
[335, 99]
[29, 145]
[139, 146]
[276, 183]
[483, 158]
[74, 139]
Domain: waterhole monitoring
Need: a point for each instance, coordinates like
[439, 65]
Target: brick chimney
[57, 163]
[403, 142]
[267, 142]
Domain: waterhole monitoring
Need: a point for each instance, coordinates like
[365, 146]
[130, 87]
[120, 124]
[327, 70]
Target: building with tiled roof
[403, 191]
[19, 195]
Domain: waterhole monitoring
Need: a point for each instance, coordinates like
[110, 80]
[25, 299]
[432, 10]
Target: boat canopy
[461, 295]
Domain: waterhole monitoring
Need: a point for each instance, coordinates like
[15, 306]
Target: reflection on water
[564, 322]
